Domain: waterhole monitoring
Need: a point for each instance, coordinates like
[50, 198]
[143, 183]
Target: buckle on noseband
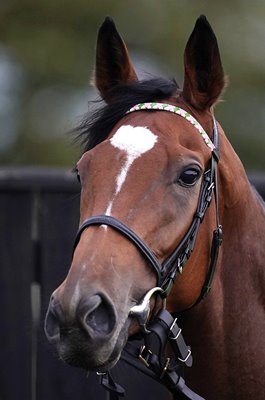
[145, 357]
[184, 360]
[174, 337]
[167, 363]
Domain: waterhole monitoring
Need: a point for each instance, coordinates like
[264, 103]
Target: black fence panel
[15, 281]
[39, 214]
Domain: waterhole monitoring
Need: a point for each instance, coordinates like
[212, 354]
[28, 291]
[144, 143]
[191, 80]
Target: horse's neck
[242, 216]
[232, 316]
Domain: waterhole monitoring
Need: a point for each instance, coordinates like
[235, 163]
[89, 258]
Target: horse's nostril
[52, 329]
[95, 315]
[51, 325]
[99, 317]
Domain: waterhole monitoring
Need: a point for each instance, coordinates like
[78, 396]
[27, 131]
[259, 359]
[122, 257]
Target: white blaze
[135, 141]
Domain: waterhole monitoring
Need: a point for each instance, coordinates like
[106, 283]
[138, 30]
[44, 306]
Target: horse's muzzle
[94, 318]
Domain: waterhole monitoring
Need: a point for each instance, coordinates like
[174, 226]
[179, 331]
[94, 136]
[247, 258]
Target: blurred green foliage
[49, 45]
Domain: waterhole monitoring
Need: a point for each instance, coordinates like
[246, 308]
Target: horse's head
[145, 169]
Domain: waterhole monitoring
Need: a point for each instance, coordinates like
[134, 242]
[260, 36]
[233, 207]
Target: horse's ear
[204, 76]
[113, 64]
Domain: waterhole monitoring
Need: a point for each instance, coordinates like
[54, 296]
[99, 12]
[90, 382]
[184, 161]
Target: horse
[166, 214]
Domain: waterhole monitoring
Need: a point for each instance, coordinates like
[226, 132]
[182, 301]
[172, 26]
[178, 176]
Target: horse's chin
[90, 356]
[88, 363]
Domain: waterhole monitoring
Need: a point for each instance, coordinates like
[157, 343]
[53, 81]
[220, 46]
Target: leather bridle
[162, 325]
[167, 271]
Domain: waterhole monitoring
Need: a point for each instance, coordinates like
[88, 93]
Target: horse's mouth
[88, 363]
[97, 356]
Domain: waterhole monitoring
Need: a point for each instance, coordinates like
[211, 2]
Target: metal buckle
[178, 333]
[141, 357]
[186, 358]
[165, 368]
[211, 187]
[179, 267]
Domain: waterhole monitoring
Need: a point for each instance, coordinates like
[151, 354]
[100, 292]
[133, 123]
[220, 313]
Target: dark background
[46, 63]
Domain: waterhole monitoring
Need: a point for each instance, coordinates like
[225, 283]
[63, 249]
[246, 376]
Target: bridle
[167, 271]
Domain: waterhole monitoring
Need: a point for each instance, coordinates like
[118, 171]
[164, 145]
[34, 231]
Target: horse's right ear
[113, 64]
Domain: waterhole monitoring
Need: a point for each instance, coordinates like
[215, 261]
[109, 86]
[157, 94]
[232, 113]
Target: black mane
[96, 127]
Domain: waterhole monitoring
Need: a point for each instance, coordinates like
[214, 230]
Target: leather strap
[150, 357]
[116, 391]
[127, 232]
[166, 330]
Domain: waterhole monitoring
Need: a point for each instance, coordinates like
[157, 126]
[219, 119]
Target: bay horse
[160, 182]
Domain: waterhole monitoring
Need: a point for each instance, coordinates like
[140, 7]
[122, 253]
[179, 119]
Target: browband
[178, 111]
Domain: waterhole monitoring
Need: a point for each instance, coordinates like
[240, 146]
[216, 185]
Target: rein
[162, 329]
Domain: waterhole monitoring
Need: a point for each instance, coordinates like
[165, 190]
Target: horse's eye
[189, 176]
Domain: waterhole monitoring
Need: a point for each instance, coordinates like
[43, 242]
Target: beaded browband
[178, 111]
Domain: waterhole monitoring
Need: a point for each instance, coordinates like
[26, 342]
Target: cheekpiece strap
[178, 111]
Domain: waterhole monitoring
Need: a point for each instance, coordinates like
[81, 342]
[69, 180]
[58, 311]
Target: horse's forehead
[134, 140]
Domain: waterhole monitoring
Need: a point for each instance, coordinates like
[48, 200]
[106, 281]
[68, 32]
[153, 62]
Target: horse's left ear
[204, 76]
[113, 64]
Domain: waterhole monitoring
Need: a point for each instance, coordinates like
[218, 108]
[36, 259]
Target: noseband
[163, 326]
